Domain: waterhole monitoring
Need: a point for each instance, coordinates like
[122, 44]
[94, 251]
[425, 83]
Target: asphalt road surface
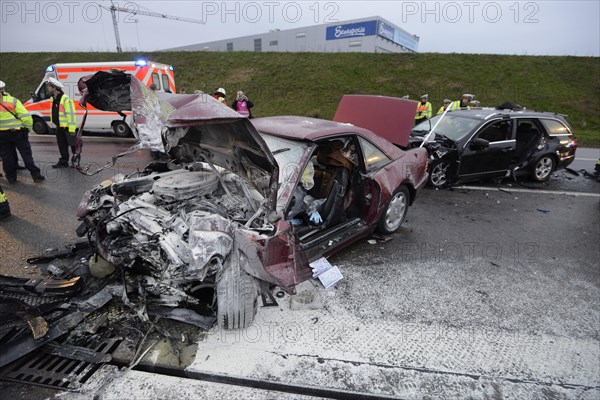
[488, 291]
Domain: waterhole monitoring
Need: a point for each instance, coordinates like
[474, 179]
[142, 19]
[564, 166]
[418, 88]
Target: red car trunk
[389, 117]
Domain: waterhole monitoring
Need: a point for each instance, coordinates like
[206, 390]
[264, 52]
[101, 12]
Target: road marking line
[518, 190]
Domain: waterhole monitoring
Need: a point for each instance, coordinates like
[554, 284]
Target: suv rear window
[555, 127]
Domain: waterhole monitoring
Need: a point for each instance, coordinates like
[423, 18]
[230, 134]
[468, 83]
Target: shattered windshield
[453, 127]
[287, 153]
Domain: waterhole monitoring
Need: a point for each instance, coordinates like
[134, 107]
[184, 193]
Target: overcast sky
[494, 27]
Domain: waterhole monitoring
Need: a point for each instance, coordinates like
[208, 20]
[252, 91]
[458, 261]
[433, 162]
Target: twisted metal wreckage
[162, 276]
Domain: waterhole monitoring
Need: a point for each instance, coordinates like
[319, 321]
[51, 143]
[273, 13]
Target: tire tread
[237, 297]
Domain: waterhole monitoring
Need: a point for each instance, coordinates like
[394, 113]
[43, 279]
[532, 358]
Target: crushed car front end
[204, 220]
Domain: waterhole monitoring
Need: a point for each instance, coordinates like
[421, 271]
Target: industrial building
[367, 35]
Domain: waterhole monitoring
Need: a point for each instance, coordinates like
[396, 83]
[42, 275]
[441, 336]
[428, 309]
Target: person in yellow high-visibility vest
[15, 124]
[65, 119]
[463, 103]
[443, 108]
[424, 110]
[4, 206]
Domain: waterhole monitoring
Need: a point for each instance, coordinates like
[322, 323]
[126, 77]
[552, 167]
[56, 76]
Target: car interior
[335, 170]
[497, 132]
[527, 138]
[332, 181]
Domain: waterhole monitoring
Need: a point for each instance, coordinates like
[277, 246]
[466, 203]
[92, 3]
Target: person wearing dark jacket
[242, 104]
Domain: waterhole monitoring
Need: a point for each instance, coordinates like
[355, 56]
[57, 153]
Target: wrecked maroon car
[244, 205]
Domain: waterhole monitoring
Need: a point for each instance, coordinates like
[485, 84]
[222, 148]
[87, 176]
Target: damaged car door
[338, 185]
[489, 152]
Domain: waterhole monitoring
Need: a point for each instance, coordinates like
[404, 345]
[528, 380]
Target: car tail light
[573, 143]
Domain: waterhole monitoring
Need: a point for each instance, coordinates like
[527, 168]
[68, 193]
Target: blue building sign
[397, 36]
[368, 28]
[386, 31]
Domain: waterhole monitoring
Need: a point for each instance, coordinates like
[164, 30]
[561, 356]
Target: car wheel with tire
[395, 212]
[438, 175]
[121, 129]
[237, 296]
[40, 126]
[543, 168]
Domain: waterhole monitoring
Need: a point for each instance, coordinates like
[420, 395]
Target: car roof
[304, 128]
[314, 129]
[487, 113]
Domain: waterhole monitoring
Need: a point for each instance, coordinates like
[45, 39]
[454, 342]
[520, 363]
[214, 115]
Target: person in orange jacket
[424, 110]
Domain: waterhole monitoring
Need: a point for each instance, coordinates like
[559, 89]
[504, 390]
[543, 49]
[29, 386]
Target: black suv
[488, 143]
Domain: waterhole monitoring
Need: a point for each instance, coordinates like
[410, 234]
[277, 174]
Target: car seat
[527, 137]
[332, 211]
[332, 181]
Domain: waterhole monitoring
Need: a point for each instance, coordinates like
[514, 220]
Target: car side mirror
[34, 97]
[479, 144]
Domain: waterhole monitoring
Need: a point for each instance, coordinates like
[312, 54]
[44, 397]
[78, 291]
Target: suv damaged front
[203, 222]
[440, 136]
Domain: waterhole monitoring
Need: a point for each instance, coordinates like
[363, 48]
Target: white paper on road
[328, 274]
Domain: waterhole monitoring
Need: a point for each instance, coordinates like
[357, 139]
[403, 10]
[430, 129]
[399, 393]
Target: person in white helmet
[447, 102]
[15, 124]
[19, 167]
[63, 116]
[424, 109]
[463, 103]
[220, 95]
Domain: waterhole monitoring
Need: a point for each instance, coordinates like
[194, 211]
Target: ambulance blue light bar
[50, 68]
[141, 63]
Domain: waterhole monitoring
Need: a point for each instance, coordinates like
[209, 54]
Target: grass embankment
[311, 84]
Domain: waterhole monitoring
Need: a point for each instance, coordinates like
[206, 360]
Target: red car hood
[389, 117]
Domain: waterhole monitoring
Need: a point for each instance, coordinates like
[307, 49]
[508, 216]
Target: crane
[113, 10]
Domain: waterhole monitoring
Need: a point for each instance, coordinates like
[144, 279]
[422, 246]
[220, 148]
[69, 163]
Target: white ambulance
[40, 104]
